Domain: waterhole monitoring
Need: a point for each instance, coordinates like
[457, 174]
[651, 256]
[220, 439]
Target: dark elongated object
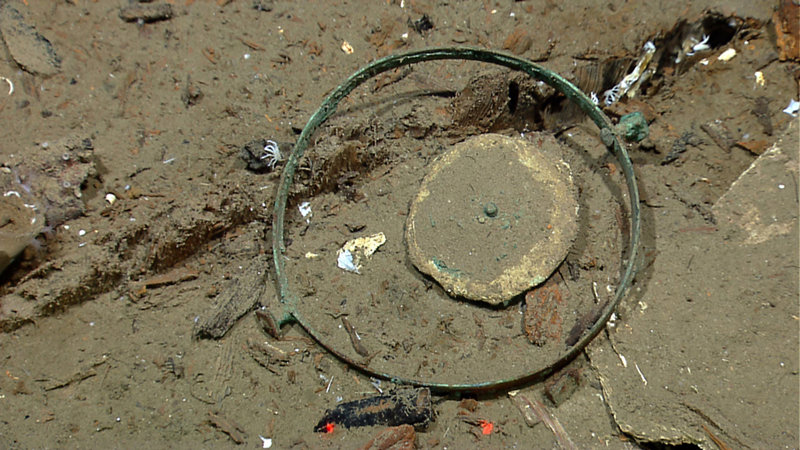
[404, 406]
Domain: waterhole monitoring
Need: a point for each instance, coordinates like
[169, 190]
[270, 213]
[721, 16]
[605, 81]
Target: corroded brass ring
[289, 300]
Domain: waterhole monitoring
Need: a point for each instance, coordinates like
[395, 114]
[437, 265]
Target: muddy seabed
[128, 318]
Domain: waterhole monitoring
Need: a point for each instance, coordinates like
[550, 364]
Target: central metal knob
[490, 209]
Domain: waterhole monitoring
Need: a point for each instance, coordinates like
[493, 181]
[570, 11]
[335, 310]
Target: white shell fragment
[305, 211]
[10, 85]
[793, 108]
[759, 78]
[727, 55]
[111, 198]
[701, 46]
[347, 48]
[265, 442]
[355, 251]
[345, 261]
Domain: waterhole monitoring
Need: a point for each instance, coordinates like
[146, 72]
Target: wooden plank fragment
[239, 297]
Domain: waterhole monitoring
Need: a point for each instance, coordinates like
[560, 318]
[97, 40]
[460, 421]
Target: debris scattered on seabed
[355, 251]
[400, 437]
[227, 426]
[533, 411]
[30, 49]
[679, 146]
[793, 108]
[146, 13]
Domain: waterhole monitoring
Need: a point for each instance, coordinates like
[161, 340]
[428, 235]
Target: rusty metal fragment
[542, 317]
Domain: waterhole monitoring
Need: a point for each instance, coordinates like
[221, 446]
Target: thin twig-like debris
[544, 415]
[228, 426]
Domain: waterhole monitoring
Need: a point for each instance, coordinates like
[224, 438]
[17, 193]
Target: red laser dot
[486, 427]
[329, 427]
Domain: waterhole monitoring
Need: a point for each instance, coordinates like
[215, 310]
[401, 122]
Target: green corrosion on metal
[289, 300]
[442, 267]
[633, 127]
